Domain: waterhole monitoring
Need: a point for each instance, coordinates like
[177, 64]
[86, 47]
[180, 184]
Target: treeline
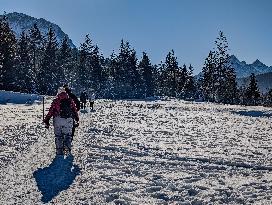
[36, 63]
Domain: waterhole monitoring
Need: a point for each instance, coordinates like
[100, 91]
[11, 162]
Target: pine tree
[209, 78]
[71, 72]
[161, 87]
[112, 65]
[37, 45]
[135, 80]
[147, 71]
[122, 61]
[84, 73]
[231, 92]
[127, 74]
[268, 98]
[241, 94]
[182, 77]
[7, 56]
[226, 77]
[156, 79]
[171, 74]
[65, 62]
[110, 88]
[98, 76]
[25, 76]
[49, 75]
[219, 78]
[252, 92]
[189, 86]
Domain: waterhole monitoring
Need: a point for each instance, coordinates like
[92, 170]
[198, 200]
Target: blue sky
[190, 27]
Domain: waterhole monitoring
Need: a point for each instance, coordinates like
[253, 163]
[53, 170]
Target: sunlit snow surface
[139, 152]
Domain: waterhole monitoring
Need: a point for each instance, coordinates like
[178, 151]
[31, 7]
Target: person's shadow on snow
[84, 111]
[58, 176]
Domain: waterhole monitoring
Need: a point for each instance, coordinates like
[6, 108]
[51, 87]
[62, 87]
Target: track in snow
[136, 152]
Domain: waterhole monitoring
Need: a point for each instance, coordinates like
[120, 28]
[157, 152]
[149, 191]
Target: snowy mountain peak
[243, 62]
[258, 63]
[243, 69]
[20, 22]
[233, 57]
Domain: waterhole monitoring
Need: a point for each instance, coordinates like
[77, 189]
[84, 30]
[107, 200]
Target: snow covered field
[139, 152]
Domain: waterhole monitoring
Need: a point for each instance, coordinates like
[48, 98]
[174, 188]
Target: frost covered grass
[140, 152]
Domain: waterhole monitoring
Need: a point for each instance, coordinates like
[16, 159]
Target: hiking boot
[59, 152]
[67, 150]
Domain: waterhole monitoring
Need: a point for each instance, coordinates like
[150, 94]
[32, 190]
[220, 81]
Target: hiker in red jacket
[63, 110]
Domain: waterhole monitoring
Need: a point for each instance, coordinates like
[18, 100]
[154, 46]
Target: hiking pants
[91, 104]
[63, 133]
[73, 131]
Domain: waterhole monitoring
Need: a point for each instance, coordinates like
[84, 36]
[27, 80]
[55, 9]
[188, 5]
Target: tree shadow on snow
[58, 176]
[254, 113]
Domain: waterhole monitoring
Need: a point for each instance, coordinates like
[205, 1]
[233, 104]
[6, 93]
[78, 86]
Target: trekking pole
[43, 106]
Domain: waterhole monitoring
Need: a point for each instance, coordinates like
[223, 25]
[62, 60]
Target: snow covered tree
[49, 75]
[127, 74]
[7, 56]
[66, 62]
[111, 67]
[83, 71]
[97, 71]
[24, 75]
[37, 42]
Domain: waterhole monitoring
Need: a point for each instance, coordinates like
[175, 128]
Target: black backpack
[65, 108]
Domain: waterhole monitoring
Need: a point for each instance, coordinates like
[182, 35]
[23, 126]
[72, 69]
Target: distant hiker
[91, 100]
[76, 101]
[63, 110]
[83, 99]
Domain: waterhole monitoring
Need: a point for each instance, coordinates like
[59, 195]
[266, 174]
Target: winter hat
[61, 90]
[66, 88]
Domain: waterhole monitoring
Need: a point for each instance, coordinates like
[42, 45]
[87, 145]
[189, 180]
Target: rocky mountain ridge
[20, 22]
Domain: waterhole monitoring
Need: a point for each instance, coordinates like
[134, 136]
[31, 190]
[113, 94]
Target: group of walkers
[83, 100]
[64, 110]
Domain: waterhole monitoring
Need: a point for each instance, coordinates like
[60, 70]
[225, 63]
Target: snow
[18, 98]
[139, 152]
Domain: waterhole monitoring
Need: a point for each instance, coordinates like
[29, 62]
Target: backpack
[83, 97]
[65, 108]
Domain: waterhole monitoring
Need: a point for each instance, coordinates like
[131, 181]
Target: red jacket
[54, 109]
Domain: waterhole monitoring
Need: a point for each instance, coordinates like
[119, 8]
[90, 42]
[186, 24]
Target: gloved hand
[46, 122]
[76, 124]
